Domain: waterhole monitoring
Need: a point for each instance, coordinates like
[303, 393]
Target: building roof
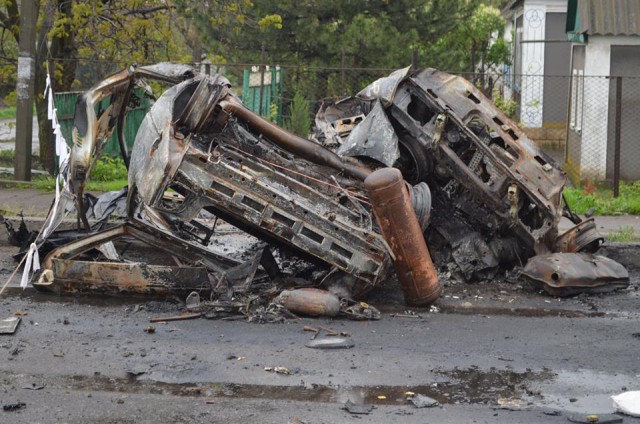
[603, 17]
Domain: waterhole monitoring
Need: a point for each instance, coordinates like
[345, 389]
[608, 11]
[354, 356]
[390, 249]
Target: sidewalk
[35, 204]
[8, 135]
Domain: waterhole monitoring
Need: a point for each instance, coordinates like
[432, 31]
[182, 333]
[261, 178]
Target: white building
[606, 44]
[538, 78]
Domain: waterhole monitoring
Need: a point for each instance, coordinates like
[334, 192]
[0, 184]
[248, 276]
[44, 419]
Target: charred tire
[413, 162]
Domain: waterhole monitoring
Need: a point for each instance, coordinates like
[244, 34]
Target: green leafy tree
[114, 32]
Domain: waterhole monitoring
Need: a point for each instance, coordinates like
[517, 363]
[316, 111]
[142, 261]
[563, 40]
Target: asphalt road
[97, 364]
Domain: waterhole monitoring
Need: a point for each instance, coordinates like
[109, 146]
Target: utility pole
[24, 89]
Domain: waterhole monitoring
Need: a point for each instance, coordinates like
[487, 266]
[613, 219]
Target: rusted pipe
[302, 147]
[397, 220]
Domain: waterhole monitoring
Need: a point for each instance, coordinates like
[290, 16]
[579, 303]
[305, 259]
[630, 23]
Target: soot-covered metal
[488, 197]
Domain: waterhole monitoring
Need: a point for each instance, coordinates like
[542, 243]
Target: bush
[300, 120]
[109, 168]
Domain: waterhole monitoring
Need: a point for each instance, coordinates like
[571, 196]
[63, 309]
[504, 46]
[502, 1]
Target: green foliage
[7, 155]
[108, 168]
[273, 112]
[299, 122]
[11, 99]
[628, 202]
[625, 235]
[8, 113]
[508, 106]
[270, 21]
[49, 184]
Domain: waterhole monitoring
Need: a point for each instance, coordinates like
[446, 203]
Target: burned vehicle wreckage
[416, 159]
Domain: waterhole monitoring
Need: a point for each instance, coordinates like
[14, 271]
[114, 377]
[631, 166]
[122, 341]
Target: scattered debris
[595, 418]
[150, 329]
[357, 408]
[14, 406]
[182, 317]
[278, 370]
[567, 274]
[310, 301]
[511, 404]
[552, 413]
[33, 386]
[422, 401]
[20, 237]
[407, 314]
[330, 343]
[359, 310]
[193, 301]
[627, 403]
[9, 325]
[416, 153]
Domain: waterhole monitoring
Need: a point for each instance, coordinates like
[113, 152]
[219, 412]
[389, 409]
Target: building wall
[532, 82]
[573, 149]
[557, 63]
[536, 22]
[625, 62]
[595, 106]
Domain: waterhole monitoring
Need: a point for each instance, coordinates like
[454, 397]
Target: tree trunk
[61, 47]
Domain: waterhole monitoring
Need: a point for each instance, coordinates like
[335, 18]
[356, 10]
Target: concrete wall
[625, 62]
[595, 106]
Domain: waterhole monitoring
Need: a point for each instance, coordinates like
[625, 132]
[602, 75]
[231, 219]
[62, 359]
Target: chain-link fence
[588, 124]
[603, 128]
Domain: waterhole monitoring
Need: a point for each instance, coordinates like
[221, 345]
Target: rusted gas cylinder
[397, 220]
[310, 301]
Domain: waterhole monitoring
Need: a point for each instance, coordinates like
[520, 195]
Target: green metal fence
[265, 85]
[66, 106]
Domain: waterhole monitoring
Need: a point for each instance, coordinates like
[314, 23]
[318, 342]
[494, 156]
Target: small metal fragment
[14, 406]
[33, 386]
[278, 370]
[596, 418]
[9, 325]
[422, 401]
[330, 343]
[567, 274]
[176, 317]
[193, 301]
[355, 408]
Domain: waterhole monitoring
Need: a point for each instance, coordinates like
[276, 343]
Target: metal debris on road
[278, 370]
[357, 408]
[310, 301]
[331, 342]
[417, 170]
[9, 325]
[567, 274]
[181, 317]
[14, 406]
[33, 386]
[422, 401]
[595, 418]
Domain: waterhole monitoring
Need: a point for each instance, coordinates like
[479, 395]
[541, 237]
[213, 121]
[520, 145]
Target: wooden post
[24, 89]
[618, 128]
